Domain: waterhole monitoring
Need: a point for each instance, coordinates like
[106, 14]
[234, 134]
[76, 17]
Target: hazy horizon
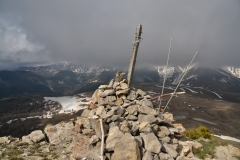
[101, 32]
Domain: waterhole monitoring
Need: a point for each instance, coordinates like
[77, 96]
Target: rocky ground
[119, 124]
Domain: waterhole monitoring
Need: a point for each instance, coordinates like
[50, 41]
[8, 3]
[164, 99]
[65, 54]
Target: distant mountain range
[68, 78]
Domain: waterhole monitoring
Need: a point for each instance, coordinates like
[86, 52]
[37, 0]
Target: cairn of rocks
[133, 128]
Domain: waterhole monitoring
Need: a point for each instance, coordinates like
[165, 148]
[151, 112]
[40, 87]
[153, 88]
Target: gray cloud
[101, 32]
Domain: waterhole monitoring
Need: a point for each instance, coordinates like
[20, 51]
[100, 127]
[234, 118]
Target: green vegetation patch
[196, 133]
[208, 149]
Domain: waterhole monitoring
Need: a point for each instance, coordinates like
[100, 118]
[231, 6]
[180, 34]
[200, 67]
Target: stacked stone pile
[134, 129]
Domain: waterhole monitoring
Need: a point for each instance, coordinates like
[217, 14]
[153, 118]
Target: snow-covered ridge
[54, 68]
[232, 70]
[162, 70]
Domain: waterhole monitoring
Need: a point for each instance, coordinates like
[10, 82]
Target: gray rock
[110, 113]
[126, 104]
[197, 145]
[161, 134]
[180, 158]
[95, 124]
[46, 150]
[123, 85]
[155, 129]
[111, 83]
[131, 117]
[173, 130]
[139, 140]
[115, 85]
[155, 157]
[119, 110]
[234, 151]
[113, 136]
[87, 131]
[124, 91]
[36, 136]
[103, 87]
[123, 97]
[165, 130]
[92, 113]
[113, 124]
[126, 149]
[151, 142]
[140, 92]
[186, 147]
[174, 141]
[135, 128]
[165, 139]
[222, 153]
[164, 156]
[3, 140]
[146, 118]
[169, 149]
[147, 103]
[26, 139]
[125, 127]
[100, 111]
[85, 113]
[147, 156]
[159, 120]
[119, 76]
[60, 134]
[142, 125]
[102, 101]
[147, 129]
[111, 98]
[106, 93]
[94, 139]
[131, 95]
[133, 109]
[115, 117]
[147, 110]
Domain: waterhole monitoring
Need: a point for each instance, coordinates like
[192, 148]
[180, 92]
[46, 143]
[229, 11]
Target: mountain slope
[67, 78]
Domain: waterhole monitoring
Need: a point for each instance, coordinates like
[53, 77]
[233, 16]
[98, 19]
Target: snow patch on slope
[69, 104]
[183, 70]
[232, 70]
[163, 69]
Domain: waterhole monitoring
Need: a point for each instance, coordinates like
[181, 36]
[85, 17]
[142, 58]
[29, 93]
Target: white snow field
[69, 104]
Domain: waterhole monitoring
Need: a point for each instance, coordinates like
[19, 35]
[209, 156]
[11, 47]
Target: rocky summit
[120, 123]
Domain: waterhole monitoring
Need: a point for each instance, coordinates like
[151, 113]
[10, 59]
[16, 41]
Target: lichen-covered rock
[60, 133]
[26, 139]
[146, 118]
[147, 110]
[36, 136]
[126, 148]
[114, 135]
[120, 92]
[169, 149]
[151, 142]
[106, 93]
[3, 140]
[147, 156]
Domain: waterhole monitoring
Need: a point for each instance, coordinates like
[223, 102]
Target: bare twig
[165, 95]
[180, 81]
[165, 75]
[102, 143]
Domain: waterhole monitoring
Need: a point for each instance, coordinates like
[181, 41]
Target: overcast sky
[34, 32]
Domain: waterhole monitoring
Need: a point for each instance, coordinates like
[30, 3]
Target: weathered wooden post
[134, 53]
